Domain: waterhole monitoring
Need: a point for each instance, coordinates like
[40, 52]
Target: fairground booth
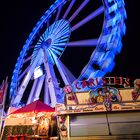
[36, 120]
[110, 110]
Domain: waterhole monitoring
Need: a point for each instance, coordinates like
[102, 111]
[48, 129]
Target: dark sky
[17, 19]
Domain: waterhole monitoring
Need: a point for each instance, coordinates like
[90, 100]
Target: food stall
[33, 120]
[105, 111]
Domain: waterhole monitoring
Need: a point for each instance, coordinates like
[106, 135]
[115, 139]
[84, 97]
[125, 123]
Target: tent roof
[36, 106]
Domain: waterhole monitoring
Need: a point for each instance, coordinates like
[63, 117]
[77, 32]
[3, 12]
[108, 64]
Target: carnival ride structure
[57, 30]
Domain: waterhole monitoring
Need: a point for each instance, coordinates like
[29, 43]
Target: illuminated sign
[91, 83]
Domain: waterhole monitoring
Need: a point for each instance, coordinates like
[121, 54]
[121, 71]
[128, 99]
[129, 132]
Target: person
[92, 99]
[136, 91]
[100, 98]
[107, 101]
[113, 97]
[53, 126]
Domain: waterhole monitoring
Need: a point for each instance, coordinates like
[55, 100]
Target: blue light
[58, 33]
[113, 8]
[108, 45]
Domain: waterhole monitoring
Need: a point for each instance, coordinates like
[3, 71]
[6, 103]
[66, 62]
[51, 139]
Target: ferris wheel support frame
[25, 81]
[38, 88]
[51, 83]
[30, 98]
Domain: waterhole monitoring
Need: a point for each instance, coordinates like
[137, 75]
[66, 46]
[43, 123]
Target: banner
[3, 90]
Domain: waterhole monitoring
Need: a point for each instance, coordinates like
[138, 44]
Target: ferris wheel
[67, 24]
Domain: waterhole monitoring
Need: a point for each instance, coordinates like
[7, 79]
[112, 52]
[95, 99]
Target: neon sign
[91, 83]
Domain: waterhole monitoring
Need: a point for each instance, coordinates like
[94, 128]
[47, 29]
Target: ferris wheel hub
[49, 41]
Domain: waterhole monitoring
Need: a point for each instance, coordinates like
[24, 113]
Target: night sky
[17, 19]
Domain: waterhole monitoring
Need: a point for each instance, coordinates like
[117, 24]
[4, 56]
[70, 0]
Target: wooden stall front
[82, 118]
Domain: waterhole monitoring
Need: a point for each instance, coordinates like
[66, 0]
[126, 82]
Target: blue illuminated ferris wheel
[67, 24]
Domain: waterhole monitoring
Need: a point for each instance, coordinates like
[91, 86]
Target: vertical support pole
[61, 70]
[51, 79]
[38, 88]
[47, 99]
[32, 92]
[68, 126]
[52, 83]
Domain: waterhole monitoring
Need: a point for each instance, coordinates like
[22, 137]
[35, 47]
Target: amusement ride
[59, 29]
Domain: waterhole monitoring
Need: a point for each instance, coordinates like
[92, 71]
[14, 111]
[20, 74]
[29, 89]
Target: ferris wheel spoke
[69, 8]
[42, 37]
[38, 44]
[85, 43]
[51, 29]
[58, 25]
[78, 10]
[62, 39]
[55, 51]
[61, 69]
[31, 47]
[23, 73]
[62, 27]
[37, 47]
[64, 30]
[40, 40]
[58, 13]
[46, 33]
[58, 48]
[38, 88]
[59, 44]
[32, 91]
[27, 59]
[61, 34]
[48, 23]
[88, 18]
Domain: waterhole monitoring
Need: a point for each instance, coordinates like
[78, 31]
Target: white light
[38, 72]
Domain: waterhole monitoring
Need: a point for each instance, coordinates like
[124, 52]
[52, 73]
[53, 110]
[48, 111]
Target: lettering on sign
[116, 107]
[99, 108]
[88, 109]
[91, 83]
[77, 110]
[126, 107]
